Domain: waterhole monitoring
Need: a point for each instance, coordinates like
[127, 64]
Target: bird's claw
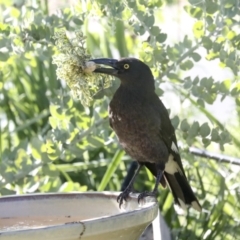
[145, 194]
[123, 196]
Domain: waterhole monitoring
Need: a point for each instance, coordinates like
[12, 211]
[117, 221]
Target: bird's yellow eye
[126, 66]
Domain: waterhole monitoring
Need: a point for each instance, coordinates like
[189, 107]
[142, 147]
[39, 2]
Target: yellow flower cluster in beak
[74, 67]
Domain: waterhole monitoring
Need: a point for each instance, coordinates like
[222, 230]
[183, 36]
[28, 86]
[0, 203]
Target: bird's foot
[123, 196]
[146, 194]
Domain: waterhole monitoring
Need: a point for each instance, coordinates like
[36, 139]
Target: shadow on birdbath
[70, 216]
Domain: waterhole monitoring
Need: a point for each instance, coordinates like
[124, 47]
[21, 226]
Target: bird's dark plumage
[144, 129]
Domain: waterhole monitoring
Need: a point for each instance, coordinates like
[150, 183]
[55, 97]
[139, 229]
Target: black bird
[144, 129]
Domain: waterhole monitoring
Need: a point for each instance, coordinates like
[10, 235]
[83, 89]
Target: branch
[31, 121]
[214, 156]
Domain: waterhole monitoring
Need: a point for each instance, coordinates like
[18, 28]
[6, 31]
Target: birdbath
[70, 216]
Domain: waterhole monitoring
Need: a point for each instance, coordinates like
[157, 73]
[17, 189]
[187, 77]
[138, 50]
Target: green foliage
[50, 142]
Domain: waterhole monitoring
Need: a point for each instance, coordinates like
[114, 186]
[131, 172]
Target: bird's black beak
[108, 62]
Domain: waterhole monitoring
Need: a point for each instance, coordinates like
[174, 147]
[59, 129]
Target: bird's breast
[137, 126]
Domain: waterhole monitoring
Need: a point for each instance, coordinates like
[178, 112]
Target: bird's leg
[124, 195]
[154, 192]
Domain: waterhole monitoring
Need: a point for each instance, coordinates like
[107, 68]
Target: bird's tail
[182, 191]
[178, 184]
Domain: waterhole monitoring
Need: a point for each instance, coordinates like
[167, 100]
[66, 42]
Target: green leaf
[215, 136]
[195, 56]
[216, 47]
[77, 21]
[231, 64]
[173, 53]
[193, 131]
[212, 55]
[229, 3]
[235, 92]
[161, 37]
[184, 125]
[187, 65]
[36, 148]
[200, 102]
[173, 76]
[206, 142]
[4, 56]
[198, 29]
[149, 20]
[209, 84]
[203, 82]
[53, 122]
[5, 191]
[195, 12]
[175, 122]
[208, 98]
[196, 80]
[225, 85]
[195, 91]
[231, 35]
[187, 42]
[223, 55]
[212, 27]
[187, 83]
[211, 7]
[209, 20]
[159, 91]
[228, 21]
[205, 130]
[131, 4]
[207, 42]
[225, 137]
[155, 30]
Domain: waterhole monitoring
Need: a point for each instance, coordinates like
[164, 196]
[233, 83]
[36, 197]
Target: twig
[40, 116]
[214, 156]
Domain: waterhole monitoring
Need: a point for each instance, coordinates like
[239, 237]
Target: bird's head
[131, 71]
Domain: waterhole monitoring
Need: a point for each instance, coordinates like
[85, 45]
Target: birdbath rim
[102, 207]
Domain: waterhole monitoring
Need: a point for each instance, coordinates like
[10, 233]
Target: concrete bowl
[72, 216]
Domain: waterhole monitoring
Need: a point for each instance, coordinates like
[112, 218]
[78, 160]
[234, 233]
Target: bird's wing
[167, 132]
[174, 173]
